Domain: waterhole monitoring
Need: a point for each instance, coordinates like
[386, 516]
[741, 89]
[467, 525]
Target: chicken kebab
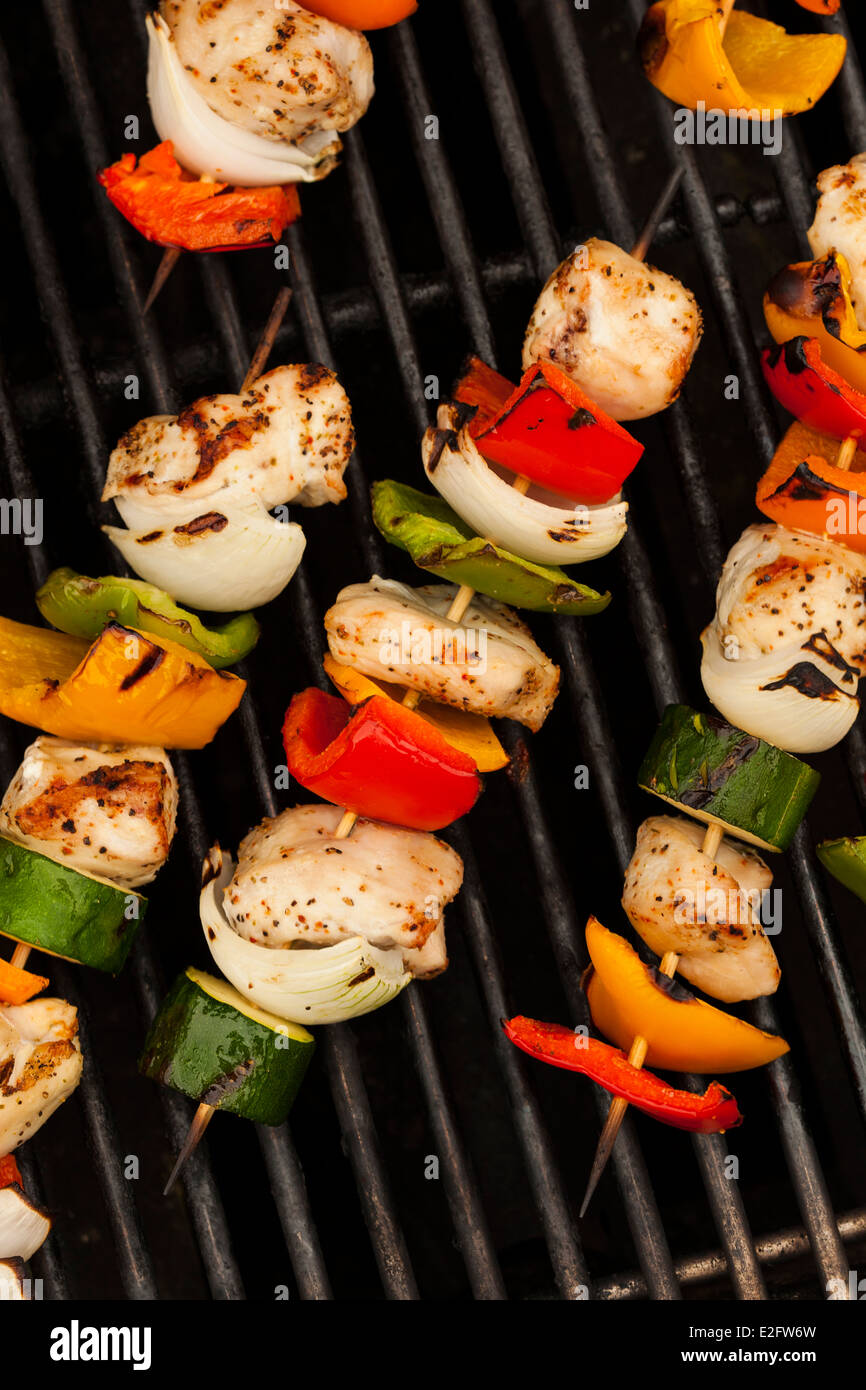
[782, 660]
[249, 99]
[362, 884]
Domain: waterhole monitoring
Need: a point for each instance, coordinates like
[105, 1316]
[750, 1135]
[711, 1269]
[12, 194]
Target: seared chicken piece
[40, 1065]
[287, 439]
[678, 899]
[623, 331]
[277, 71]
[487, 663]
[840, 224]
[781, 587]
[295, 882]
[96, 808]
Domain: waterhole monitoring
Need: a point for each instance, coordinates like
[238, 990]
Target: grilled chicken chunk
[678, 899]
[487, 663]
[40, 1065]
[781, 587]
[287, 439]
[99, 809]
[295, 882]
[623, 331]
[277, 71]
[840, 224]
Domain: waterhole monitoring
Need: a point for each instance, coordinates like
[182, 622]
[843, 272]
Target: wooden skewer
[200, 1121]
[20, 955]
[847, 451]
[170, 257]
[637, 1053]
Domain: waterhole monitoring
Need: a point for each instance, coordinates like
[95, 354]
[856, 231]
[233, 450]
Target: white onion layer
[23, 1225]
[247, 563]
[325, 985]
[207, 144]
[540, 531]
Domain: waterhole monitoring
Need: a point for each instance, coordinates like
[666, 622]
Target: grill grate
[395, 307]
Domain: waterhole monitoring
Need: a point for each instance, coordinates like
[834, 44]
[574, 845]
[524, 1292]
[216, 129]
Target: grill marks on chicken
[286, 439]
[277, 72]
[679, 899]
[295, 882]
[488, 663]
[624, 331]
[840, 224]
[100, 810]
[40, 1065]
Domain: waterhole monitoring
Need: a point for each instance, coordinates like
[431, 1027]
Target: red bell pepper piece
[802, 382]
[485, 389]
[712, 1113]
[379, 759]
[172, 208]
[9, 1172]
[549, 431]
[820, 6]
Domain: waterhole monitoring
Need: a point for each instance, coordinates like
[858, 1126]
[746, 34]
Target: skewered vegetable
[784, 654]
[40, 1065]
[693, 54]
[105, 811]
[813, 299]
[488, 663]
[628, 998]
[846, 860]
[380, 760]
[838, 224]
[704, 908]
[24, 1226]
[723, 776]
[373, 901]
[536, 525]
[550, 431]
[255, 95]
[623, 331]
[471, 733]
[14, 1284]
[65, 912]
[804, 488]
[803, 383]
[82, 606]
[712, 1113]
[364, 14]
[215, 1045]
[124, 687]
[195, 214]
[440, 541]
[17, 985]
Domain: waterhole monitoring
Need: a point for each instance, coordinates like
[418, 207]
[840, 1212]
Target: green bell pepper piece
[846, 860]
[440, 541]
[81, 606]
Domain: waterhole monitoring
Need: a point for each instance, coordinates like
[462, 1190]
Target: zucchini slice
[723, 776]
[66, 913]
[218, 1048]
[846, 860]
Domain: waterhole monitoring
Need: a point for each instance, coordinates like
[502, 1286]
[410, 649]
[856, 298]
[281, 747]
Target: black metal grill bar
[773, 1251]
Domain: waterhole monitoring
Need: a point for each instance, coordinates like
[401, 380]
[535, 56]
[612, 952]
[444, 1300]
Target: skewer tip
[170, 258]
[200, 1121]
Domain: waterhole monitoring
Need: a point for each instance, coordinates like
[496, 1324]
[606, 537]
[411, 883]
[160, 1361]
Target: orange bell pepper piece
[812, 299]
[174, 209]
[123, 688]
[10, 1172]
[363, 14]
[17, 985]
[820, 6]
[471, 733]
[804, 490]
[628, 999]
[754, 66]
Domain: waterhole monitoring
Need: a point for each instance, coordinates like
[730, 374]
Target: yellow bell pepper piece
[471, 733]
[753, 66]
[627, 1000]
[123, 688]
[812, 299]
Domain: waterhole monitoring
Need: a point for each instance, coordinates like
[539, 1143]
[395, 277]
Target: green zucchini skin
[846, 860]
[713, 769]
[215, 1054]
[63, 912]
